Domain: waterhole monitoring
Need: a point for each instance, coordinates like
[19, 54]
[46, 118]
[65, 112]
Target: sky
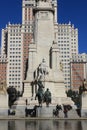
[68, 10]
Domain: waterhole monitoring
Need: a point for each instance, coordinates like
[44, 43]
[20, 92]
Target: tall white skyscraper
[12, 47]
[68, 45]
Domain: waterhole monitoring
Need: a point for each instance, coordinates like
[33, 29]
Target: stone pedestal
[84, 105]
[3, 104]
[20, 111]
[27, 90]
[45, 111]
[19, 107]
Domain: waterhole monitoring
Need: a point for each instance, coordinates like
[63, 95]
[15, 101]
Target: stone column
[55, 57]
[30, 73]
[31, 62]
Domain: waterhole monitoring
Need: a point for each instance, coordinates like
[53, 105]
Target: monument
[3, 99]
[44, 64]
[84, 100]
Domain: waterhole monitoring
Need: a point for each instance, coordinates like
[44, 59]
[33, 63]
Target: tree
[12, 92]
[75, 97]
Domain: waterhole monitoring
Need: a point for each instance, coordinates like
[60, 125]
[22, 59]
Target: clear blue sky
[68, 10]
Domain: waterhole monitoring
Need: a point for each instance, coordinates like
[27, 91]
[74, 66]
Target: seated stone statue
[43, 70]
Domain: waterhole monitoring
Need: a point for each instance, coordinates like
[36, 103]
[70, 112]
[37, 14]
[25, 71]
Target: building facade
[27, 28]
[17, 37]
[68, 45]
[15, 45]
[12, 47]
[78, 67]
[3, 69]
[15, 56]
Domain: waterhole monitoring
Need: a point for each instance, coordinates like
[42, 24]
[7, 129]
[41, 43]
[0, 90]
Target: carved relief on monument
[3, 89]
[43, 15]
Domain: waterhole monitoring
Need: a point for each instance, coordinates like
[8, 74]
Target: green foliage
[12, 92]
[75, 96]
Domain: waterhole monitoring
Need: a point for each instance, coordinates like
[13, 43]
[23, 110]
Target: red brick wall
[77, 75]
[3, 69]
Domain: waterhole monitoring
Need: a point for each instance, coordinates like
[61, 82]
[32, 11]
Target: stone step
[45, 111]
[73, 114]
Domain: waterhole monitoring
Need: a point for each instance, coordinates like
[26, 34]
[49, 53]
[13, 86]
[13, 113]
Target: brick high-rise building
[3, 69]
[15, 45]
[78, 70]
[12, 47]
[27, 27]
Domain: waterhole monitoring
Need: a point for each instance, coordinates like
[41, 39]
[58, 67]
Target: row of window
[15, 64]
[15, 53]
[67, 78]
[15, 30]
[15, 71]
[66, 56]
[28, 4]
[14, 68]
[64, 48]
[15, 48]
[63, 44]
[14, 75]
[14, 82]
[65, 52]
[15, 57]
[63, 37]
[15, 45]
[63, 34]
[28, 30]
[63, 41]
[67, 74]
[15, 41]
[14, 78]
[15, 37]
[17, 34]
